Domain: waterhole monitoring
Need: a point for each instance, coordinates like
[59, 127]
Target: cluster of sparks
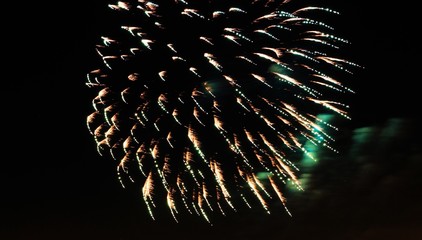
[195, 98]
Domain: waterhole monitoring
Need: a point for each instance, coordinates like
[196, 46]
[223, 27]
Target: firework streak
[195, 98]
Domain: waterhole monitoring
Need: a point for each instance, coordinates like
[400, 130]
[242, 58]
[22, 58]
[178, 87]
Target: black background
[55, 186]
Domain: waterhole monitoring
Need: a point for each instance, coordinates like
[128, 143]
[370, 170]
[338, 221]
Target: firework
[195, 98]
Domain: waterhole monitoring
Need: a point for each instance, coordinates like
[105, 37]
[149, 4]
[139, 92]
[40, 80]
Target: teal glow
[310, 157]
[263, 175]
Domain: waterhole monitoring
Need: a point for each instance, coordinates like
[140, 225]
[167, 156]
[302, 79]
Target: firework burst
[195, 98]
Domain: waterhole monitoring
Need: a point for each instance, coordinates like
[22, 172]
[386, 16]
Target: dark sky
[55, 186]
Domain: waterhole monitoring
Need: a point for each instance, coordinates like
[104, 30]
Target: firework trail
[195, 98]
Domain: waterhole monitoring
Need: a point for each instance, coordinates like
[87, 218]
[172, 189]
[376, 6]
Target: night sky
[54, 185]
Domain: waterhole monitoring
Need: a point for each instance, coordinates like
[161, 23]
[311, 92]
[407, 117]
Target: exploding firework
[197, 98]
